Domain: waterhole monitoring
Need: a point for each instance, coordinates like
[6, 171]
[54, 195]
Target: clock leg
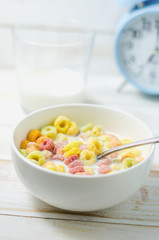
[121, 87]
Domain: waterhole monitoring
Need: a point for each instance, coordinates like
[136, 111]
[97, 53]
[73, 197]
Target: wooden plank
[17, 228]
[141, 209]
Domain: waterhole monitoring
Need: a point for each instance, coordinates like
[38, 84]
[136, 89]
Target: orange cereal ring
[40, 139]
[33, 135]
[23, 144]
[30, 149]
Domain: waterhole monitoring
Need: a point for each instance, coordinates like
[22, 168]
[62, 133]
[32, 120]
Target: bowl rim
[68, 175]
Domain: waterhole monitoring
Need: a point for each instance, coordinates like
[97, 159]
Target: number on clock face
[139, 50]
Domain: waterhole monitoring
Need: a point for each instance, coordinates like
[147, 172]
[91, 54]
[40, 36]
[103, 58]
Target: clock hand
[149, 60]
[157, 41]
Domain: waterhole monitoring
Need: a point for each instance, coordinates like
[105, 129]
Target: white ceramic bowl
[82, 193]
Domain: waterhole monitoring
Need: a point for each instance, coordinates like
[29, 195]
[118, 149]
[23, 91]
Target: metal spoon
[129, 145]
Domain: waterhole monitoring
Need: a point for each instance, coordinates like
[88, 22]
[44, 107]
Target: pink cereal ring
[58, 149]
[64, 143]
[83, 147]
[75, 163]
[104, 169]
[76, 169]
[47, 144]
[59, 157]
[105, 161]
[70, 159]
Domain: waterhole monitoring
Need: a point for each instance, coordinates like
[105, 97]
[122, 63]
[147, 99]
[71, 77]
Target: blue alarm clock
[137, 45]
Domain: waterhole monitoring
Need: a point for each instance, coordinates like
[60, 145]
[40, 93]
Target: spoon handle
[129, 145]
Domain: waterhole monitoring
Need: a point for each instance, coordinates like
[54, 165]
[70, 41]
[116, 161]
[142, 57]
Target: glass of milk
[52, 65]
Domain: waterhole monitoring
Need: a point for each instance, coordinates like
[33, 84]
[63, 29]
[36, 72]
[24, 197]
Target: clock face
[139, 51]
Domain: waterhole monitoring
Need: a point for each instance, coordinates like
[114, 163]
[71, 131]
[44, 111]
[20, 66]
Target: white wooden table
[24, 217]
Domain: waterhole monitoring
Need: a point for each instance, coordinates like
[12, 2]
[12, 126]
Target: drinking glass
[52, 65]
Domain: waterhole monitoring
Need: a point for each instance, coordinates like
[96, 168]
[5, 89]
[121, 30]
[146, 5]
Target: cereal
[62, 124]
[37, 156]
[89, 170]
[125, 141]
[73, 129]
[72, 144]
[70, 159]
[33, 135]
[32, 146]
[76, 169]
[128, 162]
[47, 154]
[75, 163]
[98, 131]
[60, 168]
[105, 161]
[87, 127]
[58, 157]
[23, 144]
[47, 144]
[72, 151]
[116, 166]
[64, 147]
[88, 157]
[60, 137]
[94, 145]
[40, 139]
[103, 169]
[50, 165]
[23, 152]
[49, 131]
[107, 145]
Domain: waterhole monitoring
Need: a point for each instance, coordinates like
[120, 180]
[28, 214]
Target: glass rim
[69, 30]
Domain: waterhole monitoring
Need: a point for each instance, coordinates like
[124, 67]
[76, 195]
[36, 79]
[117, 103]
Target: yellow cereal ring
[108, 145]
[72, 151]
[87, 127]
[60, 168]
[49, 131]
[94, 145]
[105, 138]
[23, 152]
[23, 144]
[89, 170]
[41, 139]
[72, 144]
[50, 165]
[47, 154]
[60, 137]
[125, 141]
[116, 166]
[136, 152]
[62, 124]
[73, 129]
[128, 162]
[127, 153]
[89, 133]
[88, 157]
[111, 172]
[36, 157]
[98, 131]
[33, 135]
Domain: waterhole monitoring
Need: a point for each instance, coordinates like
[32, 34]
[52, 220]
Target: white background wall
[99, 15]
